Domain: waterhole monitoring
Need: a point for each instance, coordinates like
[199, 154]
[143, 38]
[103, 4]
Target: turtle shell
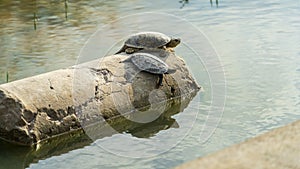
[147, 40]
[149, 63]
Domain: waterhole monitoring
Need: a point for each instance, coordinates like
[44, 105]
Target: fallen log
[41, 107]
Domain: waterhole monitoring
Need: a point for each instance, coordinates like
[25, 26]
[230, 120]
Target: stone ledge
[278, 148]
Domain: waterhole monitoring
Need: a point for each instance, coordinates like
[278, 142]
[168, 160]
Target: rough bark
[40, 107]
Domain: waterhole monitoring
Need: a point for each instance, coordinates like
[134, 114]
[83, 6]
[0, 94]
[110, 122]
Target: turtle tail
[170, 71]
[160, 80]
[126, 60]
[121, 50]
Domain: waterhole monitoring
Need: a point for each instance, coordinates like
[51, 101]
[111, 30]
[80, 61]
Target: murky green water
[258, 44]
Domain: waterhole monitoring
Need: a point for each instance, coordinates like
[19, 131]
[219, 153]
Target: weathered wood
[47, 105]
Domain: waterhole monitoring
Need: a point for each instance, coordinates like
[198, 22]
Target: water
[258, 44]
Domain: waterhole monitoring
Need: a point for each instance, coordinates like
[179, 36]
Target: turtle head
[173, 42]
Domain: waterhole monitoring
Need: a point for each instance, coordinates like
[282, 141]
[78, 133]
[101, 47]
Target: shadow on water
[24, 156]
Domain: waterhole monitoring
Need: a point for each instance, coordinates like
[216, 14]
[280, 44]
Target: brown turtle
[144, 40]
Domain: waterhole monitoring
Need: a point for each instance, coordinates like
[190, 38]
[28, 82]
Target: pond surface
[257, 43]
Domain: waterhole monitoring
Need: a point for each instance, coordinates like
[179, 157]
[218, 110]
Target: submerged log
[41, 107]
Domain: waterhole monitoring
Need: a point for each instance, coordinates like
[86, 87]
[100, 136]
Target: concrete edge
[278, 148]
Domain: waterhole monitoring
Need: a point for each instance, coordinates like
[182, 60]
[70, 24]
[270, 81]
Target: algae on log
[40, 107]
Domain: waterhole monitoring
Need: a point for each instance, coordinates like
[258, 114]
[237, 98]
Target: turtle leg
[121, 50]
[167, 48]
[171, 49]
[160, 80]
[130, 50]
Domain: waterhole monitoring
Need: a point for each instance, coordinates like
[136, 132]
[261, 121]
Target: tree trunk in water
[40, 107]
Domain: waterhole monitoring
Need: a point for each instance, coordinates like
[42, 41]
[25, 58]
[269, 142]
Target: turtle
[144, 40]
[149, 63]
[159, 53]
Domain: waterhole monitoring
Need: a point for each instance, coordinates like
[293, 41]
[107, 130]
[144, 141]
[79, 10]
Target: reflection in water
[183, 2]
[7, 77]
[24, 156]
[146, 130]
[12, 156]
[66, 9]
[34, 20]
[211, 3]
